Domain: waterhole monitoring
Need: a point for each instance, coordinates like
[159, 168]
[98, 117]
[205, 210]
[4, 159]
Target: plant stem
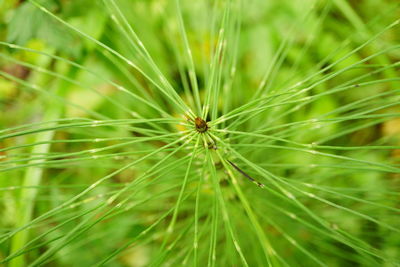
[32, 179]
[33, 175]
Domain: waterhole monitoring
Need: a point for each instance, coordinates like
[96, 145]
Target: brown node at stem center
[201, 125]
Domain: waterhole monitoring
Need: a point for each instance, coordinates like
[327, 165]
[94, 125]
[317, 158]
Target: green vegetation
[199, 133]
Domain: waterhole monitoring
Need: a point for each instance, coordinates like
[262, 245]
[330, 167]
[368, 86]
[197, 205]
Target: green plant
[193, 133]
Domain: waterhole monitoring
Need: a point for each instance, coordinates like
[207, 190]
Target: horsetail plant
[199, 133]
